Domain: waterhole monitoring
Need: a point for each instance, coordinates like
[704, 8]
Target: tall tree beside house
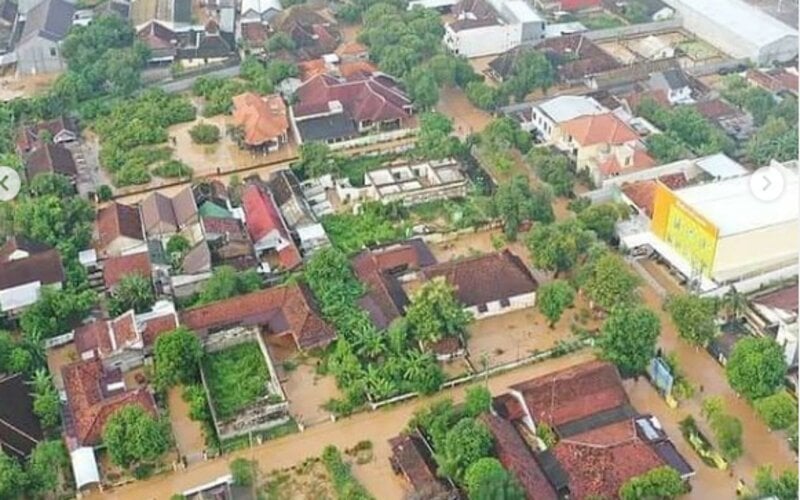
[133, 291]
[56, 312]
[315, 160]
[733, 304]
[554, 169]
[756, 367]
[422, 88]
[226, 282]
[177, 358]
[727, 428]
[46, 403]
[12, 478]
[487, 479]
[434, 140]
[46, 466]
[694, 317]
[465, 443]
[661, 483]
[779, 411]
[478, 400]
[628, 338]
[132, 436]
[515, 202]
[608, 281]
[558, 247]
[602, 219]
[553, 299]
[532, 70]
[782, 487]
[435, 313]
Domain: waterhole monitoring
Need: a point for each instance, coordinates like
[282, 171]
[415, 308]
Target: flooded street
[467, 119]
[377, 426]
[188, 433]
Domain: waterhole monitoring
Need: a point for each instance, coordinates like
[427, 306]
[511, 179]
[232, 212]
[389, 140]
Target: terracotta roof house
[25, 269]
[488, 285]
[641, 194]
[61, 130]
[271, 239]
[194, 270]
[518, 459]
[119, 229]
[20, 431]
[164, 216]
[775, 80]
[50, 159]
[412, 458]
[117, 342]
[378, 269]
[116, 268]
[229, 243]
[313, 34]
[263, 120]
[281, 310]
[332, 109]
[576, 57]
[93, 395]
[168, 43]
[161, 319]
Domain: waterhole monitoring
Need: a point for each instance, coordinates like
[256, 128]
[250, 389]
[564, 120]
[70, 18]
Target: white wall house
[547, 115]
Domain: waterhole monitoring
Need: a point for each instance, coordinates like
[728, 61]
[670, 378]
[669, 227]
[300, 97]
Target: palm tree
[415, 364]
[34, 344]
[377, 385]
[734, 304]
[41, 381]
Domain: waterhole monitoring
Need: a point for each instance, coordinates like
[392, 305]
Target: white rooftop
[730, 205]
[523, 12]
[566, 107]
[719, 166]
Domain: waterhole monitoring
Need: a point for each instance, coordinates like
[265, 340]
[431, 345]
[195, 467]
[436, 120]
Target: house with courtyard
[488, 27]
[50, 159]
[487, 285]
[119, 230]
[602, 440]
[20, 430]
[262, 121]
[273, 244]
[336, 110]
[26, 268]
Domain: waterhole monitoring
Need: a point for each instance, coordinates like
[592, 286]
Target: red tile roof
[485, 278]
[90, 402]
[288, 309]
[375, 97]
[263, 118]
[264, 218]
[607, 128]
[254, 34]
[154, 327]
[518, 459]
[115, 268]
[117, 220]
[575, 5]
[660, 96]
[28, 136]
[106, 337]
[715, 109]
[21, 244]
[785, 298]
[600, 461]
[642, 193]
[573, 393]
[411, 455]
[50, 159]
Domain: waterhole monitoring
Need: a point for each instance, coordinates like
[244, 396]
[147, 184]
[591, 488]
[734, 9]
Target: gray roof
[338, 126]
[50, 19]
[671, 79]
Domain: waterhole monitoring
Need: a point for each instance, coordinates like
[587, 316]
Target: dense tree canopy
[435, 313]
[661, 483]
[553, 299]
[602, 219]
[434, 140]
[694, 317]
[756, 367]
[688, 125]
[226, 282]
[531, 71]
[554, 169]
[783, 487]
[177, 357]
[558, 247]
[133, 291]
[478, 400]
[12, 477]
[46, 403]
[133, 436]
[515, 202]
[628, 338]
[727, 428]
[56, 312]
[608, 281]
[775, 140]
[465, 443]
[486, 479]
[779, 411]
[46, 465]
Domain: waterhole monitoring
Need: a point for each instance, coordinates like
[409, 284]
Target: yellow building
[724, 232]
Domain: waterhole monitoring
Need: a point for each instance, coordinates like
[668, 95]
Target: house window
[52, 51]
[505, 303]
[483, 308]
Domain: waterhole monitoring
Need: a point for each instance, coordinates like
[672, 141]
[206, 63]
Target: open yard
[236, 378]
[600, 20]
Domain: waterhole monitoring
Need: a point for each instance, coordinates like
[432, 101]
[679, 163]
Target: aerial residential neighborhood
[399, 249]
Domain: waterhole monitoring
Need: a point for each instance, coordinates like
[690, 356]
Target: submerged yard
[236, 378]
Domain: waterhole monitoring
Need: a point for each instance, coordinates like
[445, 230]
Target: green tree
[204, 133]
[51, 185]
[733, 304]
[532, 70]
[46, 466]
[435, 313]
[779, 411]
[727, 428]
[478, 400]
[177, 357]
[316, 160]
[665, 147]
[602, 219]
[661, 483]
[515, 202]
[434, 141]
[484, 96]
[487, 479]
[46, 403]
[280, 41]
[628, 338]
[775, 140]
[12, 478]
[554, 169]
[422, 88]
[57, 312]
[608, 282]
[133, 436]
[554, 298]
[756, 367]
[133, 291]
[558, 247]
[465, 443]
[783, 487]
[243, 471]
[694, 317]
[226, 282]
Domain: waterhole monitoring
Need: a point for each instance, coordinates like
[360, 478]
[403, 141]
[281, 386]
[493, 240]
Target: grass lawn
[600, 21]
[236, 378]
[697, 49]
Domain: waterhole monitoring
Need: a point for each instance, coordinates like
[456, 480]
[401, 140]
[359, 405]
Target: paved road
[377, 426]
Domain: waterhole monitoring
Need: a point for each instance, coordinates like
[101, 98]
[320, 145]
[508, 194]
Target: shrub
[243, 472]
[173, 169]
[204, 133]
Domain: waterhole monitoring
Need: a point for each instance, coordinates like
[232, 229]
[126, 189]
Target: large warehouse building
[739, 29]
[724, 231]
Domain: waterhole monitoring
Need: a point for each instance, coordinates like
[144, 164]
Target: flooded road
[467, 119]
[377, 426]
[188, 433]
